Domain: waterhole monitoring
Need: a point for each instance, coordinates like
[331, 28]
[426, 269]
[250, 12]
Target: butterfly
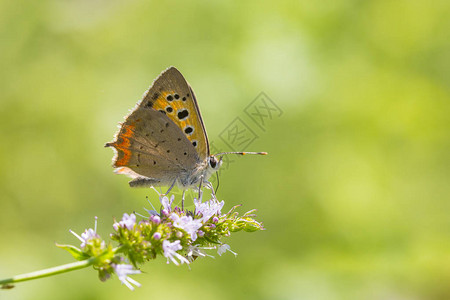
[163, 141]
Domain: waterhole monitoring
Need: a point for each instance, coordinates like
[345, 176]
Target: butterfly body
[163, 141]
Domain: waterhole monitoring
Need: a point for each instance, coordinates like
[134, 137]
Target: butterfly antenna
[243, 153]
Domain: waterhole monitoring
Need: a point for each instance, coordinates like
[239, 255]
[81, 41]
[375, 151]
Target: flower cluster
[179, 235]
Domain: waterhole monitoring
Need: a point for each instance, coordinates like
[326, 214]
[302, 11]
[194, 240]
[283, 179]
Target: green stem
[51, 271]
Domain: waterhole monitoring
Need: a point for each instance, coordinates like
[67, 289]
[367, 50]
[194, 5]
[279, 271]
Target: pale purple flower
[224, 248]
[128, 221]
[196, 250]
[122, 271]
[187, 223]
[208, 209]
[166, 203]
[170, 252]
[86, 236]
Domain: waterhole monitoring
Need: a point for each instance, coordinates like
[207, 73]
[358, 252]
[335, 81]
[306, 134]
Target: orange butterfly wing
[171, 94]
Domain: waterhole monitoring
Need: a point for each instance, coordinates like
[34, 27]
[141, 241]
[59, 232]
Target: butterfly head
[214, 163]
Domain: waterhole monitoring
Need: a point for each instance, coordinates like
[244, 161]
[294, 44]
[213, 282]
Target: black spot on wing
[183, 114]
[188, 129]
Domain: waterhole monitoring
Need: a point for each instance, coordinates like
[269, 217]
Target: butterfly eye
[213, 162]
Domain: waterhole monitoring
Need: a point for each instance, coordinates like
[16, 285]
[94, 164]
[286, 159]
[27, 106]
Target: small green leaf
[74, 251]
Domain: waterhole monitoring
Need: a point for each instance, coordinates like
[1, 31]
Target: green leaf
[74, 251]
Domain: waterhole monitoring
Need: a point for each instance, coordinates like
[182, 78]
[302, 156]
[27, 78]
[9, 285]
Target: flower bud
[156, 219]
[157, 236]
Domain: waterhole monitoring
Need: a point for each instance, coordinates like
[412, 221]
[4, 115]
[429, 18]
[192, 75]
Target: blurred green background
[355, 191]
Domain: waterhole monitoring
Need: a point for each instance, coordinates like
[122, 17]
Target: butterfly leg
[200, 188]
[182, 200]
[170, 188]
